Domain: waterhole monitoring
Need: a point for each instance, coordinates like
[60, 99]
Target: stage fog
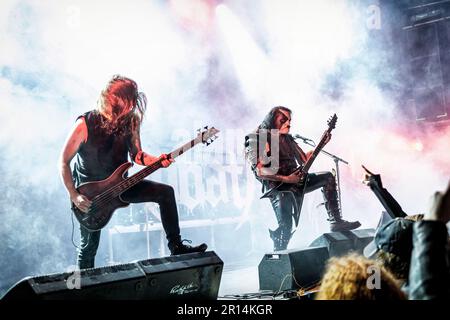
[221, 64]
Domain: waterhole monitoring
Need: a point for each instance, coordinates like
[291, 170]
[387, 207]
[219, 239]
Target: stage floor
[239, 278]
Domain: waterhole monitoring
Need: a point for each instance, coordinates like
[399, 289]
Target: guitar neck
[316, 151]
[140, 175]
[189, 145]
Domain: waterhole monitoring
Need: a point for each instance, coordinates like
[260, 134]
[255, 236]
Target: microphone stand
[336, 160]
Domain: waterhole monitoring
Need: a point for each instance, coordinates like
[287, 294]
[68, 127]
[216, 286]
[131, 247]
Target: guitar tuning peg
[206, 128]
[215, 136]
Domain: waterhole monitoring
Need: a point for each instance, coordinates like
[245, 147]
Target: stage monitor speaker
[194, 276]
[341, 243]
[292, 269]
[197, 276]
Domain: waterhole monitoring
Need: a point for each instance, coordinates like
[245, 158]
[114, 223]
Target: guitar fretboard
[309, 162]
[140, 175]
[314, 154]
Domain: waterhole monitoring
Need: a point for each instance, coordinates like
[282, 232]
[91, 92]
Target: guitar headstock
[207, 135]
[332, 122]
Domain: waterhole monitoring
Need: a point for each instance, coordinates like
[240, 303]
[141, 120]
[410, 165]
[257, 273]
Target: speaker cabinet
[189, 276]
[341, 243]
[292, 269]
[197, 276]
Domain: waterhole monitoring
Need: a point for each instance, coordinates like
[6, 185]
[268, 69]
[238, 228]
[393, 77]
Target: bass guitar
[105, 194]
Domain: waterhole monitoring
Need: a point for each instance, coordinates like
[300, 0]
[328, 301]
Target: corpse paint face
[283, 121]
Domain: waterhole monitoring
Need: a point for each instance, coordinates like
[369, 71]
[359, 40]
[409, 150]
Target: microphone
[297, 136]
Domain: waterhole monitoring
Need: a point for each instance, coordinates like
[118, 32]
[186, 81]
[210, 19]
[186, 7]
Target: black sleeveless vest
[102, 153]
[289, 156]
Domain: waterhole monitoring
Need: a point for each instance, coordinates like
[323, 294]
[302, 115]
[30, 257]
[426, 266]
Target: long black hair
[269, 120]
[251, 140]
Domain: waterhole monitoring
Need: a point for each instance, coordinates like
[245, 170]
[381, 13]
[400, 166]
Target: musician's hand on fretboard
[166, 160]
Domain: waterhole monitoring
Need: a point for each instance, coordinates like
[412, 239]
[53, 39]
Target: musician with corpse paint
[102, 140]
[274, 161]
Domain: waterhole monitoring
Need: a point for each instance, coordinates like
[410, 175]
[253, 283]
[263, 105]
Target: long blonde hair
[346, 279]
[122, 105]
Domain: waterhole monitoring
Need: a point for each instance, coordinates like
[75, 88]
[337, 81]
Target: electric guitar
[303, 169]
[105, 194]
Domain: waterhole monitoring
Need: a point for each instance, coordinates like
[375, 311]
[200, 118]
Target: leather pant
[144, 191]
[283, 204]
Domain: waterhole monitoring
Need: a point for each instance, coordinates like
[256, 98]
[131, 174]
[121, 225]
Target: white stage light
[250, 62]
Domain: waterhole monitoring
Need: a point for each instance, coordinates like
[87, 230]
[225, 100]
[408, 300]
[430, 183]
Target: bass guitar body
[101, 209]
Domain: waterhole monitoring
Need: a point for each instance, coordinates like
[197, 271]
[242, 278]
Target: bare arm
[141, 157]
[267, 174]
[73, 142]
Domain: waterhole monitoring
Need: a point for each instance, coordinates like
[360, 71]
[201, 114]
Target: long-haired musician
[290, 156]
[102, 140]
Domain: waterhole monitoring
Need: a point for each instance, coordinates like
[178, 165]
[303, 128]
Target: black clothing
[289, 157]
[144, 191]
[285, 204]
[102, 153]
[162, 194]
[391, 205]
[97, 159]
[429, 274]
[288, 202]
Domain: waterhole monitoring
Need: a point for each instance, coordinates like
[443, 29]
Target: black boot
[181, 248]
[336, 222]
[334, 212]
[86, 264]
[280, 239]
